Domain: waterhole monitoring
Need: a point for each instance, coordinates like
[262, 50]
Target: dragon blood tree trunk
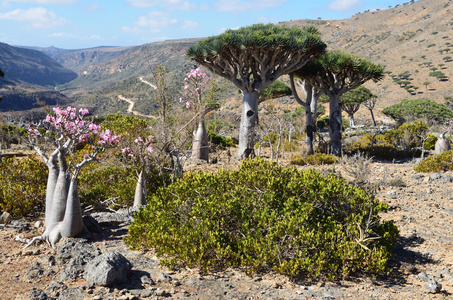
[249, 119]
[140, 191]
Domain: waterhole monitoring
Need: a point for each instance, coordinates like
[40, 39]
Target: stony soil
[422, 210]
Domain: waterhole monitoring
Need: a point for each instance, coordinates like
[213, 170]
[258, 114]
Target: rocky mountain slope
[32, 67]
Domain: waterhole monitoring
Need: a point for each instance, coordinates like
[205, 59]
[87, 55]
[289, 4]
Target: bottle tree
[252, 58]
[199, 96]
[65, 130]
[136, 148]
[335, 73]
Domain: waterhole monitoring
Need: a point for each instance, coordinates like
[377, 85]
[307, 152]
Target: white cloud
[134, 30]
[342, 5]
[156, 20]
[37, 17]
[191, 25]
[170, 4]
[236, 6]
[47, 2]
[92, 7]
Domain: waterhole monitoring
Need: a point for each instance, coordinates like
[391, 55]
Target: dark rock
[54, 288]
[37, 294]
[106, 219]
[19, 225]
[91, 224]
[69, 248]
[433, 286]
[35, 270]
[72, 293]
[108, 269]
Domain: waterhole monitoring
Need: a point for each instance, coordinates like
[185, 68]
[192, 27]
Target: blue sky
[75, 24]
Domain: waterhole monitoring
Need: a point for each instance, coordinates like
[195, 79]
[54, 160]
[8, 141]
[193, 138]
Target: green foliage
[419, 108]
[323, 123]
[436, 163]
[217, 139]
[430, 142]
[22, 185]
[263, 217]
[313, 159]
[402, 142]
[276, 89]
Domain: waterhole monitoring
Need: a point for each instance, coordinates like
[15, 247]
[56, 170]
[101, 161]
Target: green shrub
[22, 185]
[430, 142]
[217, 139]
[436, 163]
[419, 108]
[313, 159]
[263, 217]
[99, 182]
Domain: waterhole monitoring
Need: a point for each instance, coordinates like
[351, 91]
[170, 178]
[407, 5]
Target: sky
[78, 24]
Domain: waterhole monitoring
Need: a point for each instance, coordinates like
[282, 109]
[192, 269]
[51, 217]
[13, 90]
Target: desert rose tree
[196, 98]
[252, 58]
[335, 73]
[66, 129]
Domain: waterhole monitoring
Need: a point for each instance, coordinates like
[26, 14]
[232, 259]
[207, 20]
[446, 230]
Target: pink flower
[149, 149]
[138, 139]
[83, 111]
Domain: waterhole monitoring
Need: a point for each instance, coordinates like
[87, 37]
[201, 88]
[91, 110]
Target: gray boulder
[107, 269]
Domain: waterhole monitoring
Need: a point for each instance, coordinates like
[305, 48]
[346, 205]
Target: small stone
[160, 292]
[423, 277]
[145, 279]
[433, 286]
[97, 297]
[5, 218]
[276, 285]
[165, 277]
[146, 293]
[176, 283]
[257, 278]
[38, 224]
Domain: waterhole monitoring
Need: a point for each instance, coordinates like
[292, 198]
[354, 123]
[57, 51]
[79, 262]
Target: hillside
[33, 67]
[79, 59]
[413, 38]
[410, 39]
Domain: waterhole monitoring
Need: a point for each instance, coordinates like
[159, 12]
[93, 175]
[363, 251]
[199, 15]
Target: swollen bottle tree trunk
[140, 190]
[200, 145]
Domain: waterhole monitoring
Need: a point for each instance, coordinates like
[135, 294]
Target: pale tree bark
[200, 145]
[249, 118]
[140, 190]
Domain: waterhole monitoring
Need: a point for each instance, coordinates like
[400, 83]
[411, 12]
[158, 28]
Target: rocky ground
[421, 266]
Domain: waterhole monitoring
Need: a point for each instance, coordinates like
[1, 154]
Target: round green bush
[22, 185]
[436, 163]
[313, 159]
[264, 216]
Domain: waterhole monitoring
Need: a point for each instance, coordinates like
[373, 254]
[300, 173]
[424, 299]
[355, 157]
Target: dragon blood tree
[66, 129]
[196, 99]
[252, 58]
[335, 73]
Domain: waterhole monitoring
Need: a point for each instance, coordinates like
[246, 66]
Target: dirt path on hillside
[130, 108]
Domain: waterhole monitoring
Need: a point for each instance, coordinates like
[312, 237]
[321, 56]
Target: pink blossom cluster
[448, 127]
[68, 125]
[141, 147]
[194, 83]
